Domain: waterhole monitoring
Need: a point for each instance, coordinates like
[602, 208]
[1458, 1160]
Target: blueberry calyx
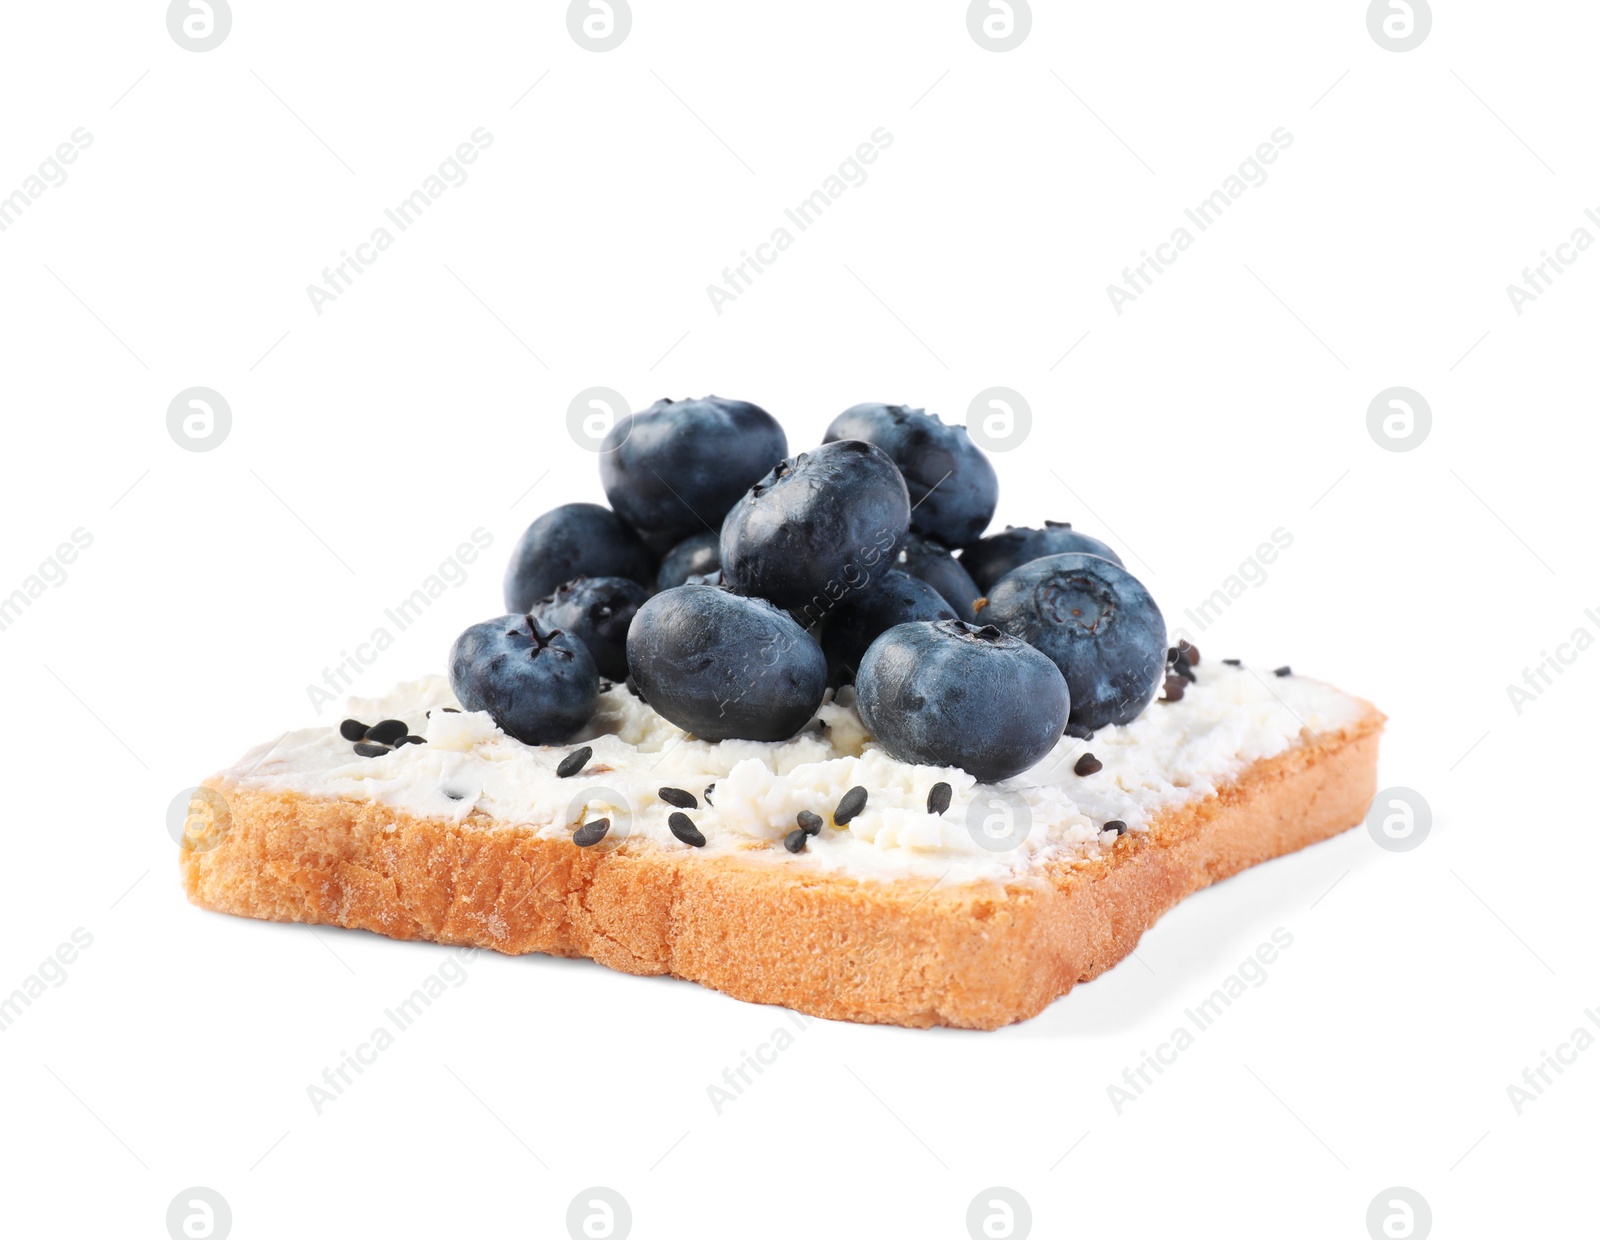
[1061, 598]
[542, 641]
[972, 632]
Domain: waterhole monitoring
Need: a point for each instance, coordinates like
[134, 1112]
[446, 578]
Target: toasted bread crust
[910, 952]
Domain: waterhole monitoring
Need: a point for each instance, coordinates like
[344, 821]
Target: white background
[369, 440]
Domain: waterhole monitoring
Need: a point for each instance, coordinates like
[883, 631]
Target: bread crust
[910, 952]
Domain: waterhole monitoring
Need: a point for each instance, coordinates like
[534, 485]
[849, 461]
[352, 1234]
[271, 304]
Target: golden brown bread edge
[910, 952]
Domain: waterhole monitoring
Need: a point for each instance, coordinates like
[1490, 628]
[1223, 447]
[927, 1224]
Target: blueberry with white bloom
[676, 468]
[952, 484]
[538, 684]
[1097, 623]
[574, 540]
[725, 667]
[819, 525]
[993, 557]
[947, 693]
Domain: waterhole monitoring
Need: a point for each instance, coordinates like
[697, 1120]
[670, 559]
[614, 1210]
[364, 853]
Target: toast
[900, 915]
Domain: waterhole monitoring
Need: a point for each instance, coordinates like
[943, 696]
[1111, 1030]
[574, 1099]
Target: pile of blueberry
[733, 586]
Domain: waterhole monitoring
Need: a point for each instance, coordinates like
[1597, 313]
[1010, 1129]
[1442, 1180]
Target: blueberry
[992, 558]
[938, 566]
[597, 611]
[676, 468]
[861, 616]
[574, 540]
[1096, 622]
[947, 693]
[820, 524]
[722, 666]
[696, 556]
[953, 487]
[538, 684]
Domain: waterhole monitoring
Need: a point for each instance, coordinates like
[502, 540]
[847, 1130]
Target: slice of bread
[909, 949]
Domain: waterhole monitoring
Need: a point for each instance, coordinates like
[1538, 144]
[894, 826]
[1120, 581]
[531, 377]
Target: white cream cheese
[1170, 754]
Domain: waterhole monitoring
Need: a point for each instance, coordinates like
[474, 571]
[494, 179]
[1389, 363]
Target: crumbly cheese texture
[1174, 752]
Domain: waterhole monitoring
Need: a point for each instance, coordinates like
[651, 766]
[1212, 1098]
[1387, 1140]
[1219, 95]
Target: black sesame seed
[411, 740]
[1233, 662]
[685, 830]
[368, 750]
[1190, 651]
[451, 710]
[353, 730]
[707, 792]
[1078, 732]
[455, 794]
[1087, 765]
[939, 798]
[1285, 670]
[1117, 825]
[575, 761]
[678, 797]
[591, 833]
[1172, 690]
[810, 823]
[795, 841]
[607, 686]
[387, 731]
[851, 804]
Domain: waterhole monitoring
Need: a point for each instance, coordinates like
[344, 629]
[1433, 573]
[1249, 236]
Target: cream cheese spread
[1172, 753]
